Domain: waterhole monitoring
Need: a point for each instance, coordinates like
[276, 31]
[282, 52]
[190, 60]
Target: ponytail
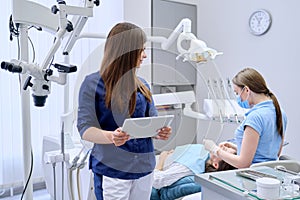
[278, 113]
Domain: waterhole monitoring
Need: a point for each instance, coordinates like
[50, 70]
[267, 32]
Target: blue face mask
[243, 104]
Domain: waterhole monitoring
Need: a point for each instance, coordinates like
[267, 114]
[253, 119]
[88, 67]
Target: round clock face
[260, 22]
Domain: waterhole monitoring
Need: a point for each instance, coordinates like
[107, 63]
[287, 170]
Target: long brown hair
[122, 51]
[253, 79]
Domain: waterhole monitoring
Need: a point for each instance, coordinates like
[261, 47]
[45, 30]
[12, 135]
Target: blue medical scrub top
[262, 118]
[132, 160]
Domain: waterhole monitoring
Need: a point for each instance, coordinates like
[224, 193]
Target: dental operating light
[197, 52]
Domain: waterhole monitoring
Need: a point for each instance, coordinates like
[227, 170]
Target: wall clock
[260, 22]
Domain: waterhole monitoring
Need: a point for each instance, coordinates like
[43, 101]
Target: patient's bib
[192, 156]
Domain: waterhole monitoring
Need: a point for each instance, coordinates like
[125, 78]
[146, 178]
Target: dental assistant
[260, 136]
[122, 167]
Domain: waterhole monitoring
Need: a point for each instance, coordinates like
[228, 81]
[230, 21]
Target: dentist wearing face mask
[260, 136]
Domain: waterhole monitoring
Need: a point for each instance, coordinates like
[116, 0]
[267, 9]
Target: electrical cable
[211, 91]
[33, 50]
[62, 179]
[79, 167]
[29, 176]
[54, 179]
[69, 170]
[78, 183]
[215, 98]
[208, 82]
[71, 194]
[227, 93]
[62, 164]
[15, 32]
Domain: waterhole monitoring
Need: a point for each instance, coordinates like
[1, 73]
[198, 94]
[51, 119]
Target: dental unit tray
[253, 175]
[146, 126]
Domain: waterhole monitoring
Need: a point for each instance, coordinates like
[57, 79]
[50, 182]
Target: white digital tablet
[146, 126]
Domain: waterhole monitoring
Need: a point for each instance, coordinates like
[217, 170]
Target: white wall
[144, 21]
[223, 25]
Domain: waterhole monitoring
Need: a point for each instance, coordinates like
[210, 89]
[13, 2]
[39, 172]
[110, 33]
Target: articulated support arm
[198, 50]
[54, 20]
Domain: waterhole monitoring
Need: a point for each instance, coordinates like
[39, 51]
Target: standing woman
[122, 166]
[260, 136]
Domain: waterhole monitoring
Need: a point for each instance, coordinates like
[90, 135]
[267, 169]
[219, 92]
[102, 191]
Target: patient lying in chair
[175, 170]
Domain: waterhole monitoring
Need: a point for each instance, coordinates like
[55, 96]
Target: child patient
[178, 166]
[184, 161]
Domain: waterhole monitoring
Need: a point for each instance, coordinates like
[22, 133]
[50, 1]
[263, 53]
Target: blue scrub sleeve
[86, 108]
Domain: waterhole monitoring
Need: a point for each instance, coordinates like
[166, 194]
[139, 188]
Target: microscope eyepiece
[4, 65]
[11, 67]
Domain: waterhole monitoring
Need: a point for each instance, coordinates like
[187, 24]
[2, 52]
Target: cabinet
[164, 72]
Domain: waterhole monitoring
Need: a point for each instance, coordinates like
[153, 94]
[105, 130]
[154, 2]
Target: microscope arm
[30, 13]
[66, 26]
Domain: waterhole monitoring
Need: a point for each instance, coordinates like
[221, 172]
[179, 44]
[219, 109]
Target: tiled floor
[37, 195]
